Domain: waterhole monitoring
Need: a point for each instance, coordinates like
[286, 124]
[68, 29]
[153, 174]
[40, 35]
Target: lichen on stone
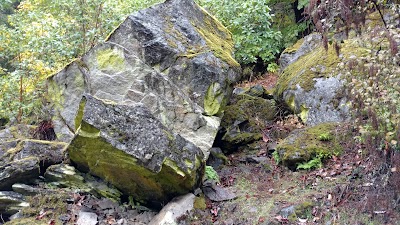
[110, 59]
[214, 100]
[221, 43]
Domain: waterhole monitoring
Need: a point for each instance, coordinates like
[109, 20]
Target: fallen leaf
[265, 137]
[281, 219]
[42, 214]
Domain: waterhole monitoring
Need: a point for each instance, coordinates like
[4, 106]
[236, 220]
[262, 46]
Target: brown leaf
[281, 219]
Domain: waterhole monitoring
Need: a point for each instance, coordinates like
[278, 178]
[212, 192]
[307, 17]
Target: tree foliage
[250, 22]
[41, 36]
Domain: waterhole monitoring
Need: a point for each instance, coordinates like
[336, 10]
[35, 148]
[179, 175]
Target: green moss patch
[295, 47]
[305, 145]
[318, 63]
[92, 153]
[218, 38]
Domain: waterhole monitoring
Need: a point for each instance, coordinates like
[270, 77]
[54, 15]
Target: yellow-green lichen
[295, 47]
[214, 101]
[218, 38]
[79, 114]
[318, 63]
[304, 113]
[110, 59]
[124, 171]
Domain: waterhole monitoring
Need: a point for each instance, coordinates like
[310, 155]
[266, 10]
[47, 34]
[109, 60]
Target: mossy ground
[50, 206]
[327, 195]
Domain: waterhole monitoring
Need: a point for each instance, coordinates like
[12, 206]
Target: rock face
[312, 84]
[21, 160]
[131, 149]
[173, 57]
[245, 117]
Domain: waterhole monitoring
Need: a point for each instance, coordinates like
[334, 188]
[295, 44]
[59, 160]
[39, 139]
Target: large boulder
[313, 82]
[142, 109]
[174, 58]
[128, 147]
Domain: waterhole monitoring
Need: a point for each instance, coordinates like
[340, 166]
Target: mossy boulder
[21, 160]
[321, 141]
[313, 84]
[173, 57]
[128, 147]
[244, 120]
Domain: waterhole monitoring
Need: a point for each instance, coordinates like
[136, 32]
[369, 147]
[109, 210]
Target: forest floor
[357, 187]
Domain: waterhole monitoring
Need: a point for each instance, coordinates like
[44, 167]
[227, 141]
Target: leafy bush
[250, 22]
[211, 174]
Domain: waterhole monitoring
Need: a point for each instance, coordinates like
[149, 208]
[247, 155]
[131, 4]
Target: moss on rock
[92, 153]
[110, 59]
[244, 120]
[221, 43]
[305, 144]
[318, 63]
[215, 100]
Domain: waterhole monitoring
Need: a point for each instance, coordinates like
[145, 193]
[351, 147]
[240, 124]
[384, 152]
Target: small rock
[257, 159]
[87, 218]
[63, 173]
[176, 208]
[26, 189]
[11, 202]
[286, 212]
[217, 193]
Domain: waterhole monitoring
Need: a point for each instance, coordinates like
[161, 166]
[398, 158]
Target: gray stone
[286, 212]
[21, 160]
[308, 44]
[217, 193]
[11, 202]
[23, 170]
[86, 218]
[175, 209]
[26, 190]
[65, 174]
[131, 149]
[321, 104]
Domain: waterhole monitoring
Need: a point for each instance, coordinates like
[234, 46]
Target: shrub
[250, 22]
